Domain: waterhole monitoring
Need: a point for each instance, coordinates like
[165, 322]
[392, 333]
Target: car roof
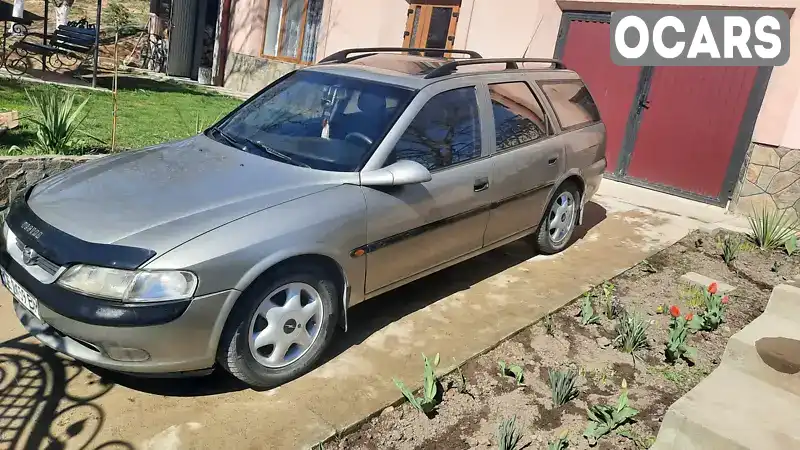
[409, 71]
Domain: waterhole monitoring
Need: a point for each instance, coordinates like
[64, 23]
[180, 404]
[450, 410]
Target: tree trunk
[62, 14]
[19, 7]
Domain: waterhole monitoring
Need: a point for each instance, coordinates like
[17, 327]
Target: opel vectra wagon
[244, 246]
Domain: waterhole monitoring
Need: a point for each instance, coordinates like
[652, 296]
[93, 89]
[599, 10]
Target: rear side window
[445, 132]
[574, 106]
[518, 116]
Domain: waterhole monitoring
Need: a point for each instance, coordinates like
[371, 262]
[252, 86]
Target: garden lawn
[149, 112]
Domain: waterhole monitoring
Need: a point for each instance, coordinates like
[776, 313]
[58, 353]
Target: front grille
[43, 263]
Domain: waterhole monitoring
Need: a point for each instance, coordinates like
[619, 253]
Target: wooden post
[114, 94]
[44, 35]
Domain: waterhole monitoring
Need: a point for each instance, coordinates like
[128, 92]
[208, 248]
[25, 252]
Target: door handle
[481, 184]
[552, 160]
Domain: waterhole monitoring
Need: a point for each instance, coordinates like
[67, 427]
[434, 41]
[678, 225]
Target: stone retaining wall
[19, 172]
[250, 74]
[772, 179]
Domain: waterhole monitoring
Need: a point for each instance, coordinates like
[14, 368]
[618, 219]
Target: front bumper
[169, 338]
[187, 344]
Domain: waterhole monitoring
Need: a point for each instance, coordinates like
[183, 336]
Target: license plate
[20, 293]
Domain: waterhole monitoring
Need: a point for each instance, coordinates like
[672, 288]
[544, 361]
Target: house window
[291, 29]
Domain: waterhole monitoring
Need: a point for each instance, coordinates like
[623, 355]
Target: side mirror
[401, 173]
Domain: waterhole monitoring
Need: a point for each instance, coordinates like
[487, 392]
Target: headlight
[128, 285]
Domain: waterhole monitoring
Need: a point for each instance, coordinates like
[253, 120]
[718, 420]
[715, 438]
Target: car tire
[258, 367]
[553, 239]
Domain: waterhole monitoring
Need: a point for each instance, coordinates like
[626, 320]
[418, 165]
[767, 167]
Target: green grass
[692, 296]
[684, 378]
[149, 112]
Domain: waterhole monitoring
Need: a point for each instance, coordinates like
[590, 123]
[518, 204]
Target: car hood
[163, 196]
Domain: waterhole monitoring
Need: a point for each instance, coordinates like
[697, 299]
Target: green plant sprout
[429, 400]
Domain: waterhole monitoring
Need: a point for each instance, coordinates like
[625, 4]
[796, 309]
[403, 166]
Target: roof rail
[511, 63]
[344, 55]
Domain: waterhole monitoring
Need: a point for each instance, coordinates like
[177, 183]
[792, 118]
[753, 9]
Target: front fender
[329, 223]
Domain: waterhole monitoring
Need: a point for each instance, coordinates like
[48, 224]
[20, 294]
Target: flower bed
[648, 300]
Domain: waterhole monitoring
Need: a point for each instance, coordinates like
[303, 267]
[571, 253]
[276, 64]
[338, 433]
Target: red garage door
[687, 136]
[684, 130]
[587, 51]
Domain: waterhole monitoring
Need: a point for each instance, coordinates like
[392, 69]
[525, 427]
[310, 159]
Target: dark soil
[470, 419]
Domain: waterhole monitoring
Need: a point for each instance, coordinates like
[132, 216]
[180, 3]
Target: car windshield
[314, 119]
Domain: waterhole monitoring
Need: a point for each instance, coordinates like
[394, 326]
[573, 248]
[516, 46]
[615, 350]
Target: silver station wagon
[244, 246]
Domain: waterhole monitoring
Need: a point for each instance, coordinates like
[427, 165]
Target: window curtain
[313, 24]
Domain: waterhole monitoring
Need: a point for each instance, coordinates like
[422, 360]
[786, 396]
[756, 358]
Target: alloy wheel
[285, 325]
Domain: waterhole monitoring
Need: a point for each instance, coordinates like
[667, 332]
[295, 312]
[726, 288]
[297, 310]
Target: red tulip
[689, 317]
[674, 311]
[725, 300]
[712, 289]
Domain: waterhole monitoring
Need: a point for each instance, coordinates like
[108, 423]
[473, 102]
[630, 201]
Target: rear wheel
[280, 327]
[559, 220]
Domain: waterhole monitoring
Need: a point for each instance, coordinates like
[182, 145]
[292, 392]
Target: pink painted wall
[518, 28]
[345, 23]
[362, 23]
[247, 26]
[522, 28]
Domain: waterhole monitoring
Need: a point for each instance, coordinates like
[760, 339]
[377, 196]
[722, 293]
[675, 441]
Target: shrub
[508, 434]
[430, 388]
[587, 314]
[713, 314]
[609, 303]
[547, 323]
[771, 229]
[730, 249]
[561, 443]
[562, 386]
[676, 347]
[604, 419]
[511, 370]
[462, 389]
[791, 245]
[631, 333]
[693, 296]
[59, 120]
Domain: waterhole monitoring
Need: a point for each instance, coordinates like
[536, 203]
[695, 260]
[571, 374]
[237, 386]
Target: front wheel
[559, 220]
[280, 327]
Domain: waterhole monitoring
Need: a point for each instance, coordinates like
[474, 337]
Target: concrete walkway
[752, 400]
[459, 313]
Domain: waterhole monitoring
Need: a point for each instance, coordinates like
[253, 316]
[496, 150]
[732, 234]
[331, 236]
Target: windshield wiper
[258, 145]
[230, 139]
[274, 153]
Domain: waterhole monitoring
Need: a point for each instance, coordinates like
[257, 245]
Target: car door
[527, 159]
[418, 227]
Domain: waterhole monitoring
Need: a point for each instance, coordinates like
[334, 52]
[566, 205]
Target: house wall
[345, 24]
[523, 28]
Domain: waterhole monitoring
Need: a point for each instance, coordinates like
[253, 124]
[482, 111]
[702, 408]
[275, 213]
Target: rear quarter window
[572, 103]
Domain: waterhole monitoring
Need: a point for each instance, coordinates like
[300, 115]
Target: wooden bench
[67, 46]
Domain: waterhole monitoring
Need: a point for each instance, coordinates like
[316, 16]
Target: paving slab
[752, 400]
[710, 217]
[459, 313]
[704, 282]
